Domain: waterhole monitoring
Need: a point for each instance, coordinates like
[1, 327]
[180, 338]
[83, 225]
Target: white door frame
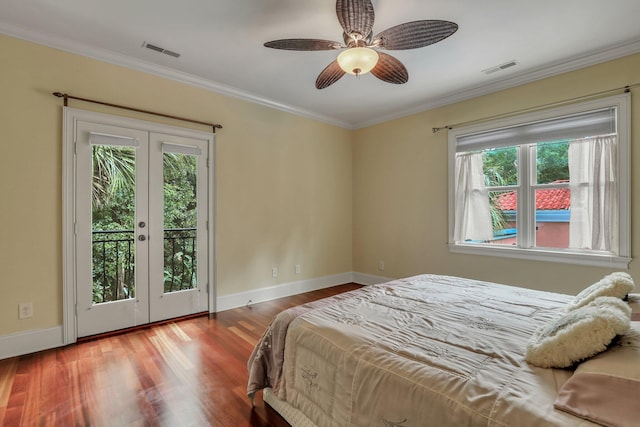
[69, 279]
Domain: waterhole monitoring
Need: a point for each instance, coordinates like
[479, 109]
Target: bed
[427, 350]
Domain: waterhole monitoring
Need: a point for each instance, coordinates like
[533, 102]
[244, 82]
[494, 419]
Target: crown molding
[561, 67]
[114, 58]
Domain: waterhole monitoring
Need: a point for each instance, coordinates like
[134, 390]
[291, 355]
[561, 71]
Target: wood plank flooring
[190, 372]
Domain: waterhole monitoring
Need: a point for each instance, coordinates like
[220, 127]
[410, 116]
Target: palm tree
[113, 170]
[493, 177]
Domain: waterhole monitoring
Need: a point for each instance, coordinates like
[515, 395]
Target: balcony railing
[114, 263]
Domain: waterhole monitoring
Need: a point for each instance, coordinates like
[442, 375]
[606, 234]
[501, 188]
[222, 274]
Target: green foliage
[498, 219]
[180, 191]
[501, 169]
[500, 166]
[553, 162]
[113, 201]
[180, 213]
[180, 267]
[113, 173]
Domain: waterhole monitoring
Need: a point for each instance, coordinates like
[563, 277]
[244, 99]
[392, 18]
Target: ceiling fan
[362, 52]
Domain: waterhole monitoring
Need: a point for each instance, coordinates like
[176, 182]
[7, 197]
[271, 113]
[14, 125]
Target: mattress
[423, 351]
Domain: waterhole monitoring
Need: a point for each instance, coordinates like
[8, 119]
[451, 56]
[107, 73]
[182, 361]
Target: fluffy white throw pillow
[618, 284]
[579, 334]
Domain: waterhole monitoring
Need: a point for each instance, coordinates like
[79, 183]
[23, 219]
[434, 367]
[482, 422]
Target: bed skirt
[288, 412]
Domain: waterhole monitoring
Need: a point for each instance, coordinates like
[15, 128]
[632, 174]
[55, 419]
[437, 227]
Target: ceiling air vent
[160, 49]
[500, 67]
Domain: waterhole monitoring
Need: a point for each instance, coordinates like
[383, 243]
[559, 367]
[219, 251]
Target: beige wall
[283, 182]
[289, 190]
[400, 186]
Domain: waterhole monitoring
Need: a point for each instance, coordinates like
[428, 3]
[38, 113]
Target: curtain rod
[626, 89]
[66, 97]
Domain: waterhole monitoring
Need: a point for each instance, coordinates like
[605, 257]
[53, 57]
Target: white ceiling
[221, 46]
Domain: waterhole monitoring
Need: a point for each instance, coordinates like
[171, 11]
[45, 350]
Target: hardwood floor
[185, 373]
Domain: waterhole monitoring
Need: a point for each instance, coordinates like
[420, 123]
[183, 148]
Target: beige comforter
[423, 351]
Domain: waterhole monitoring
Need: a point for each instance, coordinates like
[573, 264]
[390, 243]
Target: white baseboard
[241, 299]
[369, 279]
[32, 341]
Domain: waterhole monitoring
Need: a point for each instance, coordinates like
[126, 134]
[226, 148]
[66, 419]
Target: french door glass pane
[180, 221]
[112, 223]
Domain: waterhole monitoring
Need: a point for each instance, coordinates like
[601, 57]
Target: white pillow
[579, 334]
[618, 284]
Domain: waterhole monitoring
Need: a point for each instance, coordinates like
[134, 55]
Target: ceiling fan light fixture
[358, 60]
[363, 51]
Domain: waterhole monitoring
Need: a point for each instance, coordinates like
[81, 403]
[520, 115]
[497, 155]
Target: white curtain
[472, 212]
[594, 195]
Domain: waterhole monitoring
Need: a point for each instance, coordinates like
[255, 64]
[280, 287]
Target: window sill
[592, 260]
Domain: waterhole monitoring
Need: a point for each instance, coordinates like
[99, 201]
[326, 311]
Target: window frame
[622, 103]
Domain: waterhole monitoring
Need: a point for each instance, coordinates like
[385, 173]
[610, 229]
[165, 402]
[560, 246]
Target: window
[551, 185]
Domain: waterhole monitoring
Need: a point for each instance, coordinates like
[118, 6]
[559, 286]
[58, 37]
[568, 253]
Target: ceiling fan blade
[415, 34]
[329, 75]
[390, 70]
[303, 44]
[356, 16]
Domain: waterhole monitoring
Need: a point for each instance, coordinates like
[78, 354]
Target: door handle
[142, 237]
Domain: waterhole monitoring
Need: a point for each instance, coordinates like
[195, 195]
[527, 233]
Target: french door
[141, 202]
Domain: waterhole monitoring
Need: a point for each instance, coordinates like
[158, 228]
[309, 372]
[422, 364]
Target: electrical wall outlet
[381, 265]
[274, 272]
[25, 310]
[298, 269]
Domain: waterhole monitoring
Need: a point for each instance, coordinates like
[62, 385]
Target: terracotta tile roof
[551, 199]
